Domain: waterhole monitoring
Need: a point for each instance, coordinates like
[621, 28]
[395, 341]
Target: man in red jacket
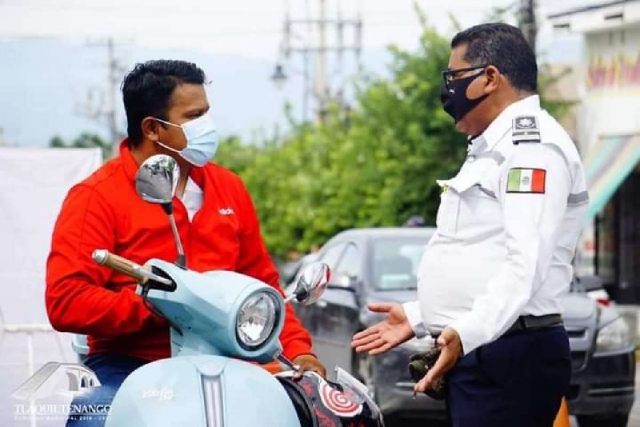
[166, 107]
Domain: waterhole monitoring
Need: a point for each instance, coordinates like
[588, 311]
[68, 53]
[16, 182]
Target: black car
[380, 265]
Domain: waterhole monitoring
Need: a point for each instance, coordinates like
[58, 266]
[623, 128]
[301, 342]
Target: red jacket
[105, 212]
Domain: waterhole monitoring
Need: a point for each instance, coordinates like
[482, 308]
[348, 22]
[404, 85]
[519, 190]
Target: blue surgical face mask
[202, 140]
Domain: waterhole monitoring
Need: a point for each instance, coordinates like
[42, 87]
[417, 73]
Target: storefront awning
[607, 165]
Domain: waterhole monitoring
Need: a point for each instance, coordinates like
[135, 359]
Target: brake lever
[288, 362]
[152, 276]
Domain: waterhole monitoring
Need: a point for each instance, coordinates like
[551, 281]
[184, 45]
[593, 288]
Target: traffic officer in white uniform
[507, 227]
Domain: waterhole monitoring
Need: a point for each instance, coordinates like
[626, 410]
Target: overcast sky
[202, 31]
[250, 28]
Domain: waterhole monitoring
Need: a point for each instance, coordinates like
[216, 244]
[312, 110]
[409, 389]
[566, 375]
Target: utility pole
[101, 103]
[292, 43]
[527, 21]
[112, 112]
[320, 81]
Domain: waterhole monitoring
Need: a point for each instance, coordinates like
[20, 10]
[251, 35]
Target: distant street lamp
[279, 78]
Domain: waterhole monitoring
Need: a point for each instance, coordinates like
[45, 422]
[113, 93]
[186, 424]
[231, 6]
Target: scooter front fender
[202, 391]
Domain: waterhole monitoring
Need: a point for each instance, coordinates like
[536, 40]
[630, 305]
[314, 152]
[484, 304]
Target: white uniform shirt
[507, 229]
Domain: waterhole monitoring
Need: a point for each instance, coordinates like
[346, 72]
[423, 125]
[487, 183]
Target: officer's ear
[150, 128]
[493, 79]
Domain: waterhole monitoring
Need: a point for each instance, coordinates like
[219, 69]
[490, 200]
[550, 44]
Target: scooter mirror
[155, 180]
[312, 283]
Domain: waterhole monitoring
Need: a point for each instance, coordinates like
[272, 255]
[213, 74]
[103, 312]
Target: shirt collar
[502, 124]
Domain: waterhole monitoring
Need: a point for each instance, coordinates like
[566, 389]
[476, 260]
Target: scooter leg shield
[190, 390]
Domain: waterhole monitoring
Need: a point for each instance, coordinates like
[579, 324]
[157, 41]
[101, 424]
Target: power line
[293, 43]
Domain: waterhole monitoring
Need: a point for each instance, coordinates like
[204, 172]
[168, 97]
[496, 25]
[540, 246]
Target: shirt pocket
[447, 215]
[469, 206]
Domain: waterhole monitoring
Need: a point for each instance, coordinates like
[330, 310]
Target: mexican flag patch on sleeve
[526, 181]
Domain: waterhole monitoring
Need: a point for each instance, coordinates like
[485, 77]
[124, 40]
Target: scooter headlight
[256, 320]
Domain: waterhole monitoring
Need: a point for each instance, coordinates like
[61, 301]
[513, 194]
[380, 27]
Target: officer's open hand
[308, 362]
[391, 332]
[451, 346]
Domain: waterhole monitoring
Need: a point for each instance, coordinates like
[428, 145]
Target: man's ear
[150, 128]
[493, 78]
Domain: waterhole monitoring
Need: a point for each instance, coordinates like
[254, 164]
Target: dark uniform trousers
[518, 380]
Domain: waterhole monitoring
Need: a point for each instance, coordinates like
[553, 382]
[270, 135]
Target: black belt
[526, 323]
[534, 323]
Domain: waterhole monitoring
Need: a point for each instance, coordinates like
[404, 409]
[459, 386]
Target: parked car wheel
[619, 420]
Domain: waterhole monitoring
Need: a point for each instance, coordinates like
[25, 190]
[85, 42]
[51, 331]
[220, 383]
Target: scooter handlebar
[118, 263]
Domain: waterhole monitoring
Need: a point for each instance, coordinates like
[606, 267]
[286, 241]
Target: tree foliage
[373, 166]
[84, 140]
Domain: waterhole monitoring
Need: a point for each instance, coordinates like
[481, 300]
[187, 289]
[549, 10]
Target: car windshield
[395, 262]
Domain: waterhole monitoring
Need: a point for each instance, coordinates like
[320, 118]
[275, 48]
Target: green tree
[84, 140]
[235, 155]
[374, 165]
[57, 142]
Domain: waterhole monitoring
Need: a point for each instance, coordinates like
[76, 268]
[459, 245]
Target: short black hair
[147, 90]
[503, 46]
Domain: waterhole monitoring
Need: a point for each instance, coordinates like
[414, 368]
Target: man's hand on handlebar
[308, 362]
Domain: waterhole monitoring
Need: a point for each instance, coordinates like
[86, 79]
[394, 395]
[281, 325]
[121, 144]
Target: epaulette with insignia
[525, 129]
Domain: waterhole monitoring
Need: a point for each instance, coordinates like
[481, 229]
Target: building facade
[608, 137]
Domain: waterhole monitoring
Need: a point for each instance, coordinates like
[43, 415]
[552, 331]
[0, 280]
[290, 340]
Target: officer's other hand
[391, 332]
[451, 346]
[308, 362]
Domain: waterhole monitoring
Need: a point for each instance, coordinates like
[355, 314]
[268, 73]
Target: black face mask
[455, 101]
